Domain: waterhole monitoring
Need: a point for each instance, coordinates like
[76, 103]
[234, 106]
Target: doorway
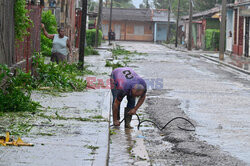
[117, 32]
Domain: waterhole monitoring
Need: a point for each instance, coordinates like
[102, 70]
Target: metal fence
[31, 44]
[6, 32]
[18, 54]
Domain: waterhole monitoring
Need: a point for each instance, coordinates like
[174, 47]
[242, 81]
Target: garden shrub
[59, 77]
[90, 51]
[90, 37]
[22, 20]
[212, 38]
[49, 21]
[15, 91]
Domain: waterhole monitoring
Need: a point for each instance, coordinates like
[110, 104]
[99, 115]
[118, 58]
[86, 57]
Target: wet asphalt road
[215, 98]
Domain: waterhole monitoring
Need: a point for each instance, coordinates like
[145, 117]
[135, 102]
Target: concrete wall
[129, 30]
[229, 30]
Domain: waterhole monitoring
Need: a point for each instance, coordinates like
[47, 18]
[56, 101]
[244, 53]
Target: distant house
[136, 24]
[238, 28]
[202, 22]
[160, 21]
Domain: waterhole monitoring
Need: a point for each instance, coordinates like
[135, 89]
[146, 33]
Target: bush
[212, 39]
[49, 21]
[90, 37]
[22, 20]
[90, 51]
[16, 91]
[115, 64]
[58, 77]
[120, 51]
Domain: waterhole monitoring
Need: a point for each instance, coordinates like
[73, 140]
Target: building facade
[202, 21]
[238, 18]
[136, 24]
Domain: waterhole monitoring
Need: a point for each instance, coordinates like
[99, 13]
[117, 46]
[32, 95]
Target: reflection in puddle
[126, 147]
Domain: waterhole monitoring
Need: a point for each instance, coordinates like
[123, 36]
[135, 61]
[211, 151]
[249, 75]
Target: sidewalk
[238, 63]
[72, 130]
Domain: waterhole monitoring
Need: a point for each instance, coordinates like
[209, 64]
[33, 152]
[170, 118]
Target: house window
[139, 30]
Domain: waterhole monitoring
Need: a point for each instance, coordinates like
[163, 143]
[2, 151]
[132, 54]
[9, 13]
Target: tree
[164, 4]
[92, 5]
[144, 5]
[199, 5]
[123, 4]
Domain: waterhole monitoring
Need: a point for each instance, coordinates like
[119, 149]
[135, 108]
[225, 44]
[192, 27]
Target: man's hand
[132, 111]
[42, 25]
[117, 123]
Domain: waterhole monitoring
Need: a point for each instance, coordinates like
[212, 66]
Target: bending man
[125, 82]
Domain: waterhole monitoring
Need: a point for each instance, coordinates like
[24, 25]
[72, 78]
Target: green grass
[113, 65]
[20, 128]
[98, 117]
[112, 132]
[120, 51]
[46, 134]
[90, 51]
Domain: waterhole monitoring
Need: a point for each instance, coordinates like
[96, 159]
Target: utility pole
[98, 26]
[83, 34]
[223, 29]
[110, 21]
[190, 25]
[169, 13]
[177, 25]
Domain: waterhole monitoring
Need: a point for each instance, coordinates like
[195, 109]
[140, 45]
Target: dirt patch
[174, 146]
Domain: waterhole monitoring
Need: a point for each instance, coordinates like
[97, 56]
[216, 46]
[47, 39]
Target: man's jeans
[114, 90]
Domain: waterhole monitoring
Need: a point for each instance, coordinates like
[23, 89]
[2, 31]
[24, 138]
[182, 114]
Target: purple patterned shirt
[125, 79]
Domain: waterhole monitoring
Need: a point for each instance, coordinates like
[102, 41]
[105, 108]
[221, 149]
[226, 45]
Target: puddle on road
[127, 145]
[239, 62]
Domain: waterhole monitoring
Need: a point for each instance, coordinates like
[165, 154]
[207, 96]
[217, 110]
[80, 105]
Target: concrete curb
[225, 64]
[211, 59]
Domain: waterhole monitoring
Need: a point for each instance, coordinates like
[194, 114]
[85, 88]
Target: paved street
[74, 127]
[215, 97]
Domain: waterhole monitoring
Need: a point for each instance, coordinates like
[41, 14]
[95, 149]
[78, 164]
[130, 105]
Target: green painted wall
[213, 23]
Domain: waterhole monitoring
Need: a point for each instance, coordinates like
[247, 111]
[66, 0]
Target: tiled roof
[209, 12]
[122, 14]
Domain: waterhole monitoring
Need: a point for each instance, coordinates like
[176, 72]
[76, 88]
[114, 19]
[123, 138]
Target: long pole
[177, 25]
[98, 26]
[223, 29]
[169, 13]
[190, 25]
[110, 21]
[83, 34]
